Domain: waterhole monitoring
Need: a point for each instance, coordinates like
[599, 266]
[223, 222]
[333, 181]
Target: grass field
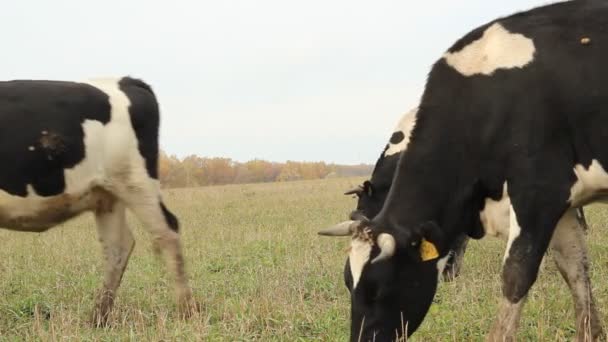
[260, 272]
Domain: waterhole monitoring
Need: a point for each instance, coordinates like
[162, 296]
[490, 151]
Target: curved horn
[345, 228]
[387, 245]
[356, 190]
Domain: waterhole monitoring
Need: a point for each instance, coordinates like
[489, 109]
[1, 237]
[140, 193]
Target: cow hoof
[449, 276]
[99, 319]
[586, 336]
[103, 306]
[189, 308]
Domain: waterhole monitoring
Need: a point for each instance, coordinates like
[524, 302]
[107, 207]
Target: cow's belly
[37, 214]
[591, 186]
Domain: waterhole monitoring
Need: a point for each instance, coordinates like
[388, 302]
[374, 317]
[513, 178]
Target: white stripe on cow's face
[358, 257]
[402, 132]
[589, 182]
[514, 231]
[496, 49]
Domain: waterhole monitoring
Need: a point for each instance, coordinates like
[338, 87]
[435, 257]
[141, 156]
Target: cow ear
[428, 250]
[368, 188]
[432, 240]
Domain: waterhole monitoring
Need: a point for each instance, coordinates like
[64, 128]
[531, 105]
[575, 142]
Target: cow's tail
[171, 220]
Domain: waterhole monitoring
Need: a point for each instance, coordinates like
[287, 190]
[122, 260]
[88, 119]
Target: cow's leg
[570, 255]
[145, 202]
[454, 264]
[533, 218]
[117, 242]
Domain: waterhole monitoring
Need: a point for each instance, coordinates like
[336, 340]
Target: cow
[371, 194]
[75, 147]
[495, 216]
[513, 111]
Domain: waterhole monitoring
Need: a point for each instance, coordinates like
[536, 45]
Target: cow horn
[387, 245]
[345, 228]
[356, 190]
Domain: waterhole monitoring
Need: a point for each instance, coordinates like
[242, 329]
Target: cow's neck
[423, 189]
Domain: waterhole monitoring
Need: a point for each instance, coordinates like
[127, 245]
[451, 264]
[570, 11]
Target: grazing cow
[515, 108]
[372, 193]
[495, 216]
[72, 147]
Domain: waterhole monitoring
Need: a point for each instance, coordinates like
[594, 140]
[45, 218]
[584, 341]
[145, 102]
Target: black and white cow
[372, 193]
[494, 218]
[68, 148]
[513, 112]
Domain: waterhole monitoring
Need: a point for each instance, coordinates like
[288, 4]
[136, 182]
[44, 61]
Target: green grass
[260, 272]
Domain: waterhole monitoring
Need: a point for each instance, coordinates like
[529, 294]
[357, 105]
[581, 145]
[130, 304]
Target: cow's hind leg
[570, 255]
[163, 226]
[117, 242]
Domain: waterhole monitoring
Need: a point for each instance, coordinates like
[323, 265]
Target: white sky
[272, 79]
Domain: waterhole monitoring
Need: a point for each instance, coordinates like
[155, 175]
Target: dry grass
[260, 271]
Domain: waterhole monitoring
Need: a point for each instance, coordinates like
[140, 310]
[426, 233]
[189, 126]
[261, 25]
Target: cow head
[372, 194]
[370, 198]
[392, 277]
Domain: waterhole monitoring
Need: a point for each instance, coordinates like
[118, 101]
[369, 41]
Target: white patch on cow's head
[360, 250]
[514, 231]
[496, 49]
[405, 126]
[589, 183]
[495, 215]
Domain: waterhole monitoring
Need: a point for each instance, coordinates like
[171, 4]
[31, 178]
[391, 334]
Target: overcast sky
[273, 79]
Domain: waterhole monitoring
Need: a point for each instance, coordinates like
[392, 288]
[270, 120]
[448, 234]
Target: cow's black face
[371, 198]
[390, 297]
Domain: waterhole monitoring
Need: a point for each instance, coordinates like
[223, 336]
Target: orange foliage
[199, 171]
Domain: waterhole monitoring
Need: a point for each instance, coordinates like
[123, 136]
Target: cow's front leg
[117, 242]
[530, 231]
[570, 255]
[454, 264]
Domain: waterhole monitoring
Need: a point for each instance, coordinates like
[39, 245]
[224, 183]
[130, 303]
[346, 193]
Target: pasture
[260, 272]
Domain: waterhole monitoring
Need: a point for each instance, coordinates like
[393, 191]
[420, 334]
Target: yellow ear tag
[428, 251]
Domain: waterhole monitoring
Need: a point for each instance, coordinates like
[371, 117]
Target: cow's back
[65, 146]
[524, 85]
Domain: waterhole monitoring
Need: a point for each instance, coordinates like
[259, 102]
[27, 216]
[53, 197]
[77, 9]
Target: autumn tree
[194, 171]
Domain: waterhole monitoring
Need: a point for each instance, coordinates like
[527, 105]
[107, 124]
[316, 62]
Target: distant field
[261, 273]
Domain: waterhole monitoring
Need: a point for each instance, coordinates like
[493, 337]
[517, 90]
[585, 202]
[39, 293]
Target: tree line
[194, 170]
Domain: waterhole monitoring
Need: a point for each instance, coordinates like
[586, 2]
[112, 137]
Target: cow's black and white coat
[373, 192]
[68, 148]
[371, 195]
[495, 219]
[514, 111]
